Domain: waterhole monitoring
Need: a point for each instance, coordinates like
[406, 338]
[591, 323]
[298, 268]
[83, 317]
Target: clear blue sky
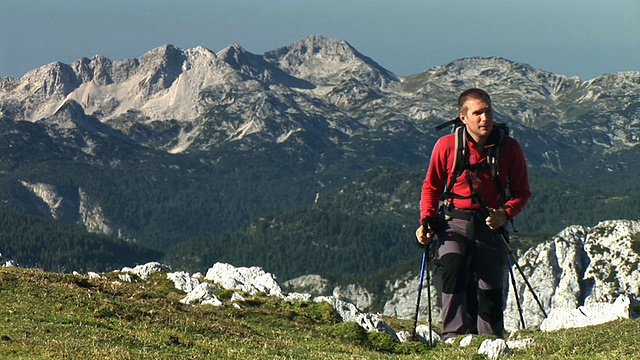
[583, 38]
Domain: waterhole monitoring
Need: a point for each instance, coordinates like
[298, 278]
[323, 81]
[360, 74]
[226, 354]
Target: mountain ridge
[314, 75]
[179, 144]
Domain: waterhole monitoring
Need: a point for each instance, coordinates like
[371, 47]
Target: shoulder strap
[494, 152]
[459, 157]
[493, 160]
[460, 161]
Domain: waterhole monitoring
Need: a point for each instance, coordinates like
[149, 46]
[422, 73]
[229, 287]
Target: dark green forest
[368, 225]
[34, 241]
[188, 214]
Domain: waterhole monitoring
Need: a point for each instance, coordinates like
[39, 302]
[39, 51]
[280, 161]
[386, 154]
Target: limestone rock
[145, 270]
[349, 312]
[586, 315]
[251, 280]
[202, 294]
[182, 281]
[494, 349]
[579, 266]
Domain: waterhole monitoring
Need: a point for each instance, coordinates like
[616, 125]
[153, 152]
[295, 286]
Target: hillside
[52, 316]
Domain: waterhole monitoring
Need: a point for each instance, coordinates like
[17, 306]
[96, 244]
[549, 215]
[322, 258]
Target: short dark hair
[473, 93]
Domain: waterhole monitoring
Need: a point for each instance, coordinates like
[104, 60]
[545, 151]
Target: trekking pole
[422, 268]
[515, 292]
[428, 269]
[506, 244]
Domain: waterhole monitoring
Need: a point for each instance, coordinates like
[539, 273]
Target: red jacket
[513, 175]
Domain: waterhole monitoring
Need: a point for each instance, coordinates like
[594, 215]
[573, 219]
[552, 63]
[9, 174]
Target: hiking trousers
[470, 248]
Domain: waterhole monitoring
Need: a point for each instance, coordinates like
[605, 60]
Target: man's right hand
[424, 236]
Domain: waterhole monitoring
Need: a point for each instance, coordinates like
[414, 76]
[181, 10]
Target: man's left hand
[497, 218]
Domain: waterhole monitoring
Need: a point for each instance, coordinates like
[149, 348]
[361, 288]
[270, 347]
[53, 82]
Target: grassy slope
[52, 316]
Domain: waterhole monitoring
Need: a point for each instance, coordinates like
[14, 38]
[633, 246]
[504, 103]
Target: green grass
[58, 316]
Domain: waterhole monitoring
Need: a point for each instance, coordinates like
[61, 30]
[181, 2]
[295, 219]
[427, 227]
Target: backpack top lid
[455, 122]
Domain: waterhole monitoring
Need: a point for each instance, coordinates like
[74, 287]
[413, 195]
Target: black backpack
[500, 130]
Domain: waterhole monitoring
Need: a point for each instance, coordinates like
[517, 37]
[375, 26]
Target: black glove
[435, 225]
[426, 223]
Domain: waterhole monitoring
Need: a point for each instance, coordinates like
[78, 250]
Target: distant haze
[584, 38]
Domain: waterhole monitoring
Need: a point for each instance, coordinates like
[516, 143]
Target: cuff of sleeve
[508, 210]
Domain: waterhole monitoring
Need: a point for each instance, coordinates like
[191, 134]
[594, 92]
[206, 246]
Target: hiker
[464, 212]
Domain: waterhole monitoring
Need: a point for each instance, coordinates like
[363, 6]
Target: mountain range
[233, 156]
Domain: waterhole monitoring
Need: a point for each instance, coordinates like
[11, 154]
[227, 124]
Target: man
[475, 207]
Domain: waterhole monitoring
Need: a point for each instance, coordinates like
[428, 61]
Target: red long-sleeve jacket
[513, 175]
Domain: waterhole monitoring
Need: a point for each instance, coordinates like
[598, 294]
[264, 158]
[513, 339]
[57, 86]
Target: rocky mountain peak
[70, 109]
[250, 66]
[160, 68]
[54, 80]
[318, 45]
[326, 61]
[234, 55]
[622, 84]
[97, 69]
[228, 90]
[165, 54]
[495, 74]
[243, 61]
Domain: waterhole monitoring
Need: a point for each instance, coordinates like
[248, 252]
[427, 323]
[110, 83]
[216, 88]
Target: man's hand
[497, 218]
[423, 236]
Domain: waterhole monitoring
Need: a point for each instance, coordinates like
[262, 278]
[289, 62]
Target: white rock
[590, 314]
[297, 298]
[126, 278]
[349, 312]
[422, 335]
[355, 294]
[422, 331]
[494, 349]
[202, 294]
[182, 281]
[235, 297]
[311, 283]
[520, 343]
[580, 266]
[404, 336]
[7, 262]
[466, 341]
[405, 293]
[251, 280]
[144, 271]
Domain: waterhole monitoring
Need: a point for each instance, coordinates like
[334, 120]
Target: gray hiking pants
[470, 248]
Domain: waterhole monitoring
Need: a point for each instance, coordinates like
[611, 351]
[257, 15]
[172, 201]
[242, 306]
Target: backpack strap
[459, 158]
[461, 165]
[493, 154]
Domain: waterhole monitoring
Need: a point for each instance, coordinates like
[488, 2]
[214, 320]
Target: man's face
[479, 119]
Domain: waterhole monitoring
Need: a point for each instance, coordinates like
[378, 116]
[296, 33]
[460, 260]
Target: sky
[584, 38]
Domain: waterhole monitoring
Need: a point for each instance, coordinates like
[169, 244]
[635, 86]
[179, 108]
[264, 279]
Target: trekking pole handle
[424, 233]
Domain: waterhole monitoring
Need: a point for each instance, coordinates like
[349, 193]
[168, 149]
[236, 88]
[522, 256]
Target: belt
[461, 214]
